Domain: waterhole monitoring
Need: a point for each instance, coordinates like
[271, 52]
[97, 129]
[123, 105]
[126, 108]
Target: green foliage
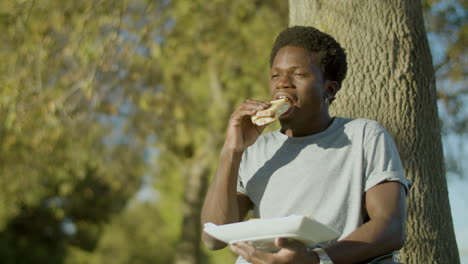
[67, 157]
[136, 236]
[84, 86]
[205, 79]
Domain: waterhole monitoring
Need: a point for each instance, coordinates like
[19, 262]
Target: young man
[345, 172]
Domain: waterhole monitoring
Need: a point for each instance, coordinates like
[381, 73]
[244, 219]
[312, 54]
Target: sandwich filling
[278, 108]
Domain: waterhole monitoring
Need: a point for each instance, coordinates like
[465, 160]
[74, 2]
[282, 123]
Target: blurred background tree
[70, 157]
[100, 100]
[214, 57]
[447, 30]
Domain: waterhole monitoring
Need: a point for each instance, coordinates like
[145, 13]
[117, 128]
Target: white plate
[262, 233]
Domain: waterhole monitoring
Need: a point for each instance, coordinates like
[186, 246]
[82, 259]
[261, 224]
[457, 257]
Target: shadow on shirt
[289, 151]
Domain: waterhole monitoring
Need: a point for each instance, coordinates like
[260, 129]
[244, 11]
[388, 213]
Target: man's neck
[306, 128]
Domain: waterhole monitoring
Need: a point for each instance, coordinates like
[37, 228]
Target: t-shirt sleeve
[382, 160]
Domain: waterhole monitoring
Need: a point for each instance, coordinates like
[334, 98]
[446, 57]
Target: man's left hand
[290, 251]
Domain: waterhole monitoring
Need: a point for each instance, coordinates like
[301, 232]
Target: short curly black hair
[332, 56]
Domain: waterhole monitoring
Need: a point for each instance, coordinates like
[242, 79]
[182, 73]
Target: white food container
[262, 233]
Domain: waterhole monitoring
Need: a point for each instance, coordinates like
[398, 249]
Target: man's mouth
[290, 100]
[287, 97]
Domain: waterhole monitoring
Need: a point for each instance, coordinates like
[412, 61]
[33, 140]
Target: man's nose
[284, 82]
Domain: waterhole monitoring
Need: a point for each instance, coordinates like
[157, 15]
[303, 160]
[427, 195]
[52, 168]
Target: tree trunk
[391, 79]
[196, 177]
[188, 247]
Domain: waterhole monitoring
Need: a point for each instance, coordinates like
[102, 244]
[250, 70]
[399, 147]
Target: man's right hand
[223, 204]
[241, 132]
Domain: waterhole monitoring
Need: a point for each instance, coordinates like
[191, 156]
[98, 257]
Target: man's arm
[382, 234]
[223, 204]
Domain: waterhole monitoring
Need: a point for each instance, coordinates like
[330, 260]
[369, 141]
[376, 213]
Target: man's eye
[300, 74]
[274, 76]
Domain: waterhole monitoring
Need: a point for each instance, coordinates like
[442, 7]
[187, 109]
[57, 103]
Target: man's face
[295, 73]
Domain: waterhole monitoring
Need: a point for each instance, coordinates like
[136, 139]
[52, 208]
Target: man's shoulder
[272, 135]
[365, 125]
[265, 139]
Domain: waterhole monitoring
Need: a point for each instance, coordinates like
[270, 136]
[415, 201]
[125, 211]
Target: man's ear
[331, 88]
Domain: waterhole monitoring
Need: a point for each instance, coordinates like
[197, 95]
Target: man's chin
[286, 120]
[288, 115]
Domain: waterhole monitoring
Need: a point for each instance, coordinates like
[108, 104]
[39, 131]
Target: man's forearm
[221, 205]
[376, 237]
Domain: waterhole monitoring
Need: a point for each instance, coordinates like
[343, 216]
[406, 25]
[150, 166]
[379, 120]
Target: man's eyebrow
[289, 68]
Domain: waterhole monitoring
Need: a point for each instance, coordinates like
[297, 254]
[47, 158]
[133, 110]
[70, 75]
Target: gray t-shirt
[324, 175]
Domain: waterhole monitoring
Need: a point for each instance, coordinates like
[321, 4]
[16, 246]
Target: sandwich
[277, 109]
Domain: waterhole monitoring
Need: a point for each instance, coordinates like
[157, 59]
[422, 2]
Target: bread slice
[277, 109]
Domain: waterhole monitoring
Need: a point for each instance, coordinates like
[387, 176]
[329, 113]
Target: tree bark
[189, 246]
[196, 177]
[391, 80]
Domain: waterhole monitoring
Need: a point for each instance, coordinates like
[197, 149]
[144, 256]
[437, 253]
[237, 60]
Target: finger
[248, 109]
[265, 113]
[244, 252]
[263, 122]
[292, 244]
[260, 105]
[245, 112]
[250, 253]
[244, 248]
[260, 128]
[257, 101]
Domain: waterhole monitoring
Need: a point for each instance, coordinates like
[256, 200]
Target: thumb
[260, 128]
[282, 242]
